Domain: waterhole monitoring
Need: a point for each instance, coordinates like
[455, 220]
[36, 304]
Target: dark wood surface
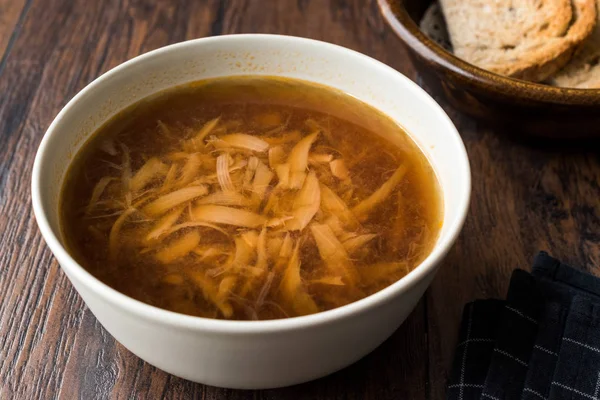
[526, 197]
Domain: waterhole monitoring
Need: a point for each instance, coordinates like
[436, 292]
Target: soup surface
[250, 198]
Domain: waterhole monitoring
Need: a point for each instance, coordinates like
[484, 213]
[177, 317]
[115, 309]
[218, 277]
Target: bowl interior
[356, 74]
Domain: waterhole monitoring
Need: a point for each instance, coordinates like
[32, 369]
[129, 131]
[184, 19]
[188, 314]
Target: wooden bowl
[514, 105]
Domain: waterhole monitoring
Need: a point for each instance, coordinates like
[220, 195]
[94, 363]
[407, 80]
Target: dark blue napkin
[474, 350]
[544, 354]
[545, 266]
[515, 338]
[536, 342]
[577, 374]
[561, 283]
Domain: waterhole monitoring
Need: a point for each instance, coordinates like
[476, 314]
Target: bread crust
[525, 39]
[583, 71]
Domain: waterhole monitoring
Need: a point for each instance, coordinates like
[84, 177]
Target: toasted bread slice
[434, 26]
[526, 39]
[583, 71]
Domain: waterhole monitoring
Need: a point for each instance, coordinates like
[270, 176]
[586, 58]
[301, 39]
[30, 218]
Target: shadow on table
[395, 370]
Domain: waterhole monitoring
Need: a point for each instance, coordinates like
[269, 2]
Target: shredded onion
[276, 156]
[244, 141]
[367, 205]
[179, 247]
[195, 224]
[153, 168]
[306, 204]
[331, 203]
[163, 225]
[355, 243]
[283, 174]
[227, 216]
[262, 179]
[298, 160]
[339, 170]
[292, 290]
[97, 192]
[173, 199]
[227, 198]
[329, 280]
[223, 173]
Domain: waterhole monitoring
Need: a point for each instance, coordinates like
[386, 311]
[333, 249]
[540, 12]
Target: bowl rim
[397, 17]
[169, 318]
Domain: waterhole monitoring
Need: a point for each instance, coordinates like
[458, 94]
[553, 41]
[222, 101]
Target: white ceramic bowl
[253, 354]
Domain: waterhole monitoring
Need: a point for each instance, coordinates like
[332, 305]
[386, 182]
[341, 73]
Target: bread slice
[434, 26]
[583, 71]
[526, 39]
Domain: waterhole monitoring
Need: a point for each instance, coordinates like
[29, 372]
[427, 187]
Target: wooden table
[525, 198]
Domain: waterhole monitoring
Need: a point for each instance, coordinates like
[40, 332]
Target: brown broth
[192, 270]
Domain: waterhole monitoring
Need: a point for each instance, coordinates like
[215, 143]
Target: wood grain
[12, 14]
[526, 197]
